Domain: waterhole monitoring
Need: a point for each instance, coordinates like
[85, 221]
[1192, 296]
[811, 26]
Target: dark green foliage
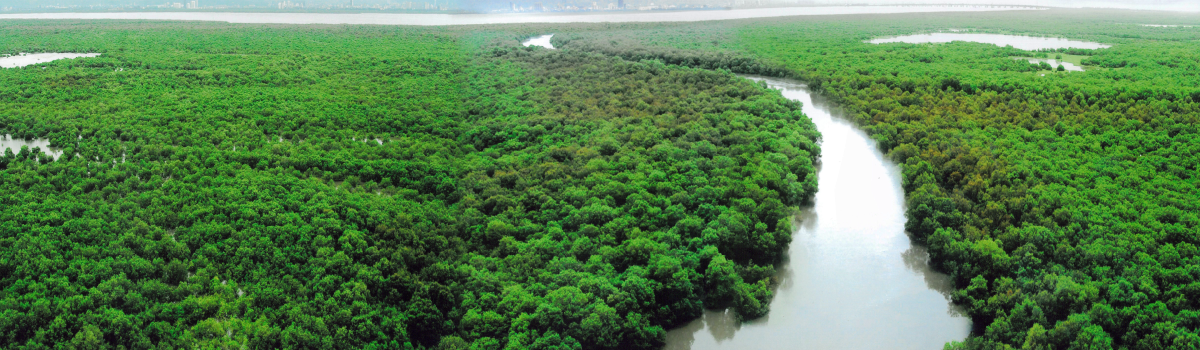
[223, 186]
[1064, 206]
[644, 173]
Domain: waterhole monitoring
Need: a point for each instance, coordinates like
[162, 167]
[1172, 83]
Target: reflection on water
[853, 279]
[1017, 41]
[1054, 63]
[543, 41]
[428, 19]
[14, 144]
[26, 59]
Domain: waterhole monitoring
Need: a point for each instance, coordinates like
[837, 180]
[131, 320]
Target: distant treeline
[1064, 204]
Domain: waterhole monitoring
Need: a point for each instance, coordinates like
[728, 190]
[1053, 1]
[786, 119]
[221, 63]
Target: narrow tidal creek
[853, 279]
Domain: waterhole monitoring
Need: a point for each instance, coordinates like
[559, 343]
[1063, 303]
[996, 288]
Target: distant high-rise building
[620, 4]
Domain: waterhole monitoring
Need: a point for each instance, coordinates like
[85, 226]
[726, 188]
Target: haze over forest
[483, 5]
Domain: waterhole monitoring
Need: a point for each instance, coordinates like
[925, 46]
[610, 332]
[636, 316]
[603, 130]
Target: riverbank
[853, 279]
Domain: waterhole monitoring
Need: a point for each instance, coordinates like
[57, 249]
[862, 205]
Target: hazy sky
[1172, 5]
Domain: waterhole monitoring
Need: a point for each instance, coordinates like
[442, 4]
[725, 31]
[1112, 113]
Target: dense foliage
[244, 186]
[1064, 204]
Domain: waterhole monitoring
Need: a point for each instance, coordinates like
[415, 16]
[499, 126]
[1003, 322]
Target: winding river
[853, 279]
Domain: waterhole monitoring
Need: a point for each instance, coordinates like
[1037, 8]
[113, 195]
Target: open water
[14, 144]
[26, 59]
[541, 40]
[1070, 67]
[1017, 41]
[853, 279]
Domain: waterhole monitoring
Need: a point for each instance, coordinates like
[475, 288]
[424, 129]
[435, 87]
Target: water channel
[430, 19]
[853, 279]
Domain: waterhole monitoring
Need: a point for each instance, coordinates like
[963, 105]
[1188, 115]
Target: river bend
[853, 279]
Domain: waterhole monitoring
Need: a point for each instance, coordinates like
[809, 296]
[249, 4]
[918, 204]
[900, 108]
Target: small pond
[9, 142]
[1018, 41]
[543, 41]
[1070, 67]
[26, 59]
